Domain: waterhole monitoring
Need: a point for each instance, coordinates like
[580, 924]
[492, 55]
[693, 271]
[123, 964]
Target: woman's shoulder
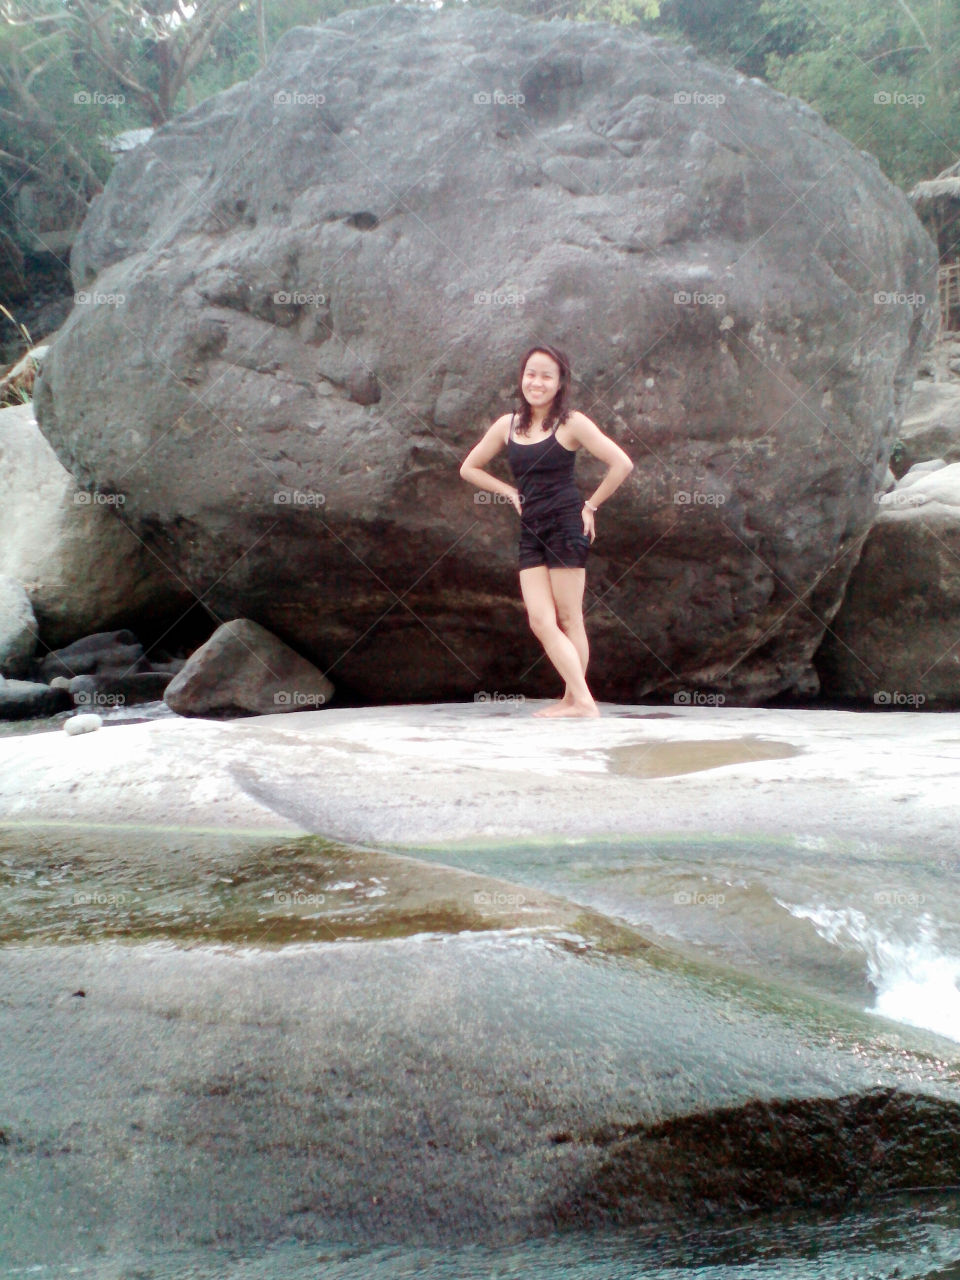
[504, 423]
[574, 418]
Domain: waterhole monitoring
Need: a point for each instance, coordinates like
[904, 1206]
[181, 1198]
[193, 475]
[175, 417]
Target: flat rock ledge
[432, 774]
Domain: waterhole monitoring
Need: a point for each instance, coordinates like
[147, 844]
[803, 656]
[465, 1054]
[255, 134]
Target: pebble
[85, 723]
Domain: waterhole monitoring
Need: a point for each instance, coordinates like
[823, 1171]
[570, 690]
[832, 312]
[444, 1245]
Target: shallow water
[769, 908]
[837, 948]
[903, 1238]
[694, 755]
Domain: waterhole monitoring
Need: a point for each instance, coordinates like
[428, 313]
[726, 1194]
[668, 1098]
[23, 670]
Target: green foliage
[624, 13]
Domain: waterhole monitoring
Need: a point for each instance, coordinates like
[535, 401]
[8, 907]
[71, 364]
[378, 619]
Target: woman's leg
[567, 586]
[537, 589]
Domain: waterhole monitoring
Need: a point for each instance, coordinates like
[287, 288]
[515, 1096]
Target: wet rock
[772, 1155]
[291, 445]
[419, 1089]
[244, 670]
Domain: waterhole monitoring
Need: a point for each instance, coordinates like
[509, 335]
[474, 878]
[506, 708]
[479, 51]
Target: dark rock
[170, 667]
[243, 669]
[108, 689]
[25, 700]
[772, 1155]
[113, 651]
[331, 321]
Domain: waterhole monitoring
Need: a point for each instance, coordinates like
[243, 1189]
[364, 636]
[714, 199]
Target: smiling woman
[557, 527]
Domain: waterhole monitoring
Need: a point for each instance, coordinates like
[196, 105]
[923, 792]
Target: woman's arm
[619, 464]
[472, 467]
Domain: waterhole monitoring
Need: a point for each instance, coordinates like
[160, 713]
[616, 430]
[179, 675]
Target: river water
[488, 1045]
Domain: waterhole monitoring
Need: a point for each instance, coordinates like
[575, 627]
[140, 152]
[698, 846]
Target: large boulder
[311, 293]
[896, 639]
[81, 564]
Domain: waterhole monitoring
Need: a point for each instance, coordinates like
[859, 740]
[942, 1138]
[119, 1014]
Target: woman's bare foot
[551, 708]
[572, 709]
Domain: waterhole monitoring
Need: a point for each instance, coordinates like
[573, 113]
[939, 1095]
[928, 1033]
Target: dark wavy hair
[557, 412]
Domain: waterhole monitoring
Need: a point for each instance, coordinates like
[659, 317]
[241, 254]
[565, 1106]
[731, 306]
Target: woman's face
[541, 380]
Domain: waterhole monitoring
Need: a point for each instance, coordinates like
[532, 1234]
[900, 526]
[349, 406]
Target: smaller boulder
[243, 669]
[105, 651]
[25, 700]
[18, 629]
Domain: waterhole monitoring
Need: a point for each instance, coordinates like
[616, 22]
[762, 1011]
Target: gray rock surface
[243, 669]
[82, 569]
[26, 700]
[18, 629]
[436, 775]
[312, 290]
[931, 425]
[896, 639]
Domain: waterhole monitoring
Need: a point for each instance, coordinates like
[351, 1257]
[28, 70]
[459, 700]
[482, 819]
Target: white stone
[89, 722]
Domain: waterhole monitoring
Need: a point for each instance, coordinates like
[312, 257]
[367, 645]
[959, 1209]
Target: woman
[556, 526]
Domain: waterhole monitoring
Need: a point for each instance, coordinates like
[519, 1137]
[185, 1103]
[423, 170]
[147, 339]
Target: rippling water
[850, 947]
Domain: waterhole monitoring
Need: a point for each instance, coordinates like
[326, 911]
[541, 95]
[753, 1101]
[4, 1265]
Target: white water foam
[915, 979]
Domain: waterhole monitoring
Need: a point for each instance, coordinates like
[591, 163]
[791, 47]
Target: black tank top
[544, 476]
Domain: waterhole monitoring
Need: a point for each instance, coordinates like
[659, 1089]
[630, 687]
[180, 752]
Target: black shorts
[556, 540]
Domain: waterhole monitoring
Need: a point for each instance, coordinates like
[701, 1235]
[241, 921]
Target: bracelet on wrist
[591, 507]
